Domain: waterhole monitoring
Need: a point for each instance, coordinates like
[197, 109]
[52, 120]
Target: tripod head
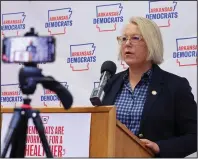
[28, 78]
[29, 72]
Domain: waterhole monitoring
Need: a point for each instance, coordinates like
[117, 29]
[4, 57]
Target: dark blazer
[170, 117]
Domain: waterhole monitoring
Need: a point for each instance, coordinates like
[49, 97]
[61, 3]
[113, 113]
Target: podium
[108, 136]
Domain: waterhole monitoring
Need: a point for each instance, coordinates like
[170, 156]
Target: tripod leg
[19, 142]
[40, 128]
[11, 133]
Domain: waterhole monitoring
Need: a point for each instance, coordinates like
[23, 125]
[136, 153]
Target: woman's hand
[151, 145]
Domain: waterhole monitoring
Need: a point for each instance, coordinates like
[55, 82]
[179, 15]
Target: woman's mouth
[128, 53]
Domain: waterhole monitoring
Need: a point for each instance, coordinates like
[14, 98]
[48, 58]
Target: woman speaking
[155, 105]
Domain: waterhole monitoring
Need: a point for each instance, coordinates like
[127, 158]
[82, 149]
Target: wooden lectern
[109, 137]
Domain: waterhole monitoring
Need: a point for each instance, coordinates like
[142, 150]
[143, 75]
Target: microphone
[108, 69]
[63, 94]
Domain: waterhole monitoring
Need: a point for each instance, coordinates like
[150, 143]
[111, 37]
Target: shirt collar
[146, 75]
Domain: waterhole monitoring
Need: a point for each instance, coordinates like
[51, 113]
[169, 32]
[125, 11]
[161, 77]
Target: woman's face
[133, 47]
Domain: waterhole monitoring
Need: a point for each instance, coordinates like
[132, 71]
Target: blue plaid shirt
[130, 103]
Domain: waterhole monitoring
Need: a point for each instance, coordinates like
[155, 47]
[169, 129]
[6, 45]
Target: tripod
[29, 77]
[17, 131]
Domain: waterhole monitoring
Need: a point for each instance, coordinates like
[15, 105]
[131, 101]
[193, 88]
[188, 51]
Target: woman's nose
[128, 42]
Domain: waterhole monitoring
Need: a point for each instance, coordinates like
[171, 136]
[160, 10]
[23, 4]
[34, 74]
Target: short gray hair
[152, 36]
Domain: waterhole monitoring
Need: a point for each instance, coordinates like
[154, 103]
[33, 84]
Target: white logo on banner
[49, 98]
[108, 16]
[186, 54]
[162, 12]
[11, 95]
[81, 55]
[58, 21]
[12, 23]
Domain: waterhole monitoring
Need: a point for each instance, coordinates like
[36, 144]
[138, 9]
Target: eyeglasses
[133, 39]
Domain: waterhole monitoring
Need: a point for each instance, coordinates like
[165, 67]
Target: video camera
[29, 48]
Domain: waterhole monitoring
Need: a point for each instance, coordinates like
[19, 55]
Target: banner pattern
[86, 37]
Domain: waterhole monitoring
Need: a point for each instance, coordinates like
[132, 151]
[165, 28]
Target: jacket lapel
[153, 93]
[112, 88]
